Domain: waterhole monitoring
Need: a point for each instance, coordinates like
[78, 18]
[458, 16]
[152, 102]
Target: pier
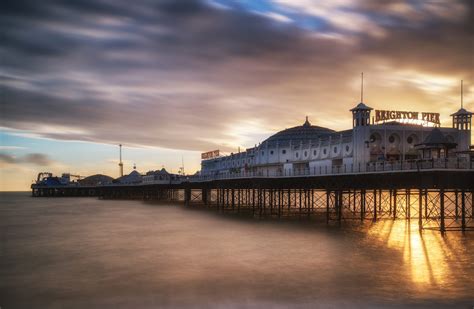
[440, 199]
[380, 169]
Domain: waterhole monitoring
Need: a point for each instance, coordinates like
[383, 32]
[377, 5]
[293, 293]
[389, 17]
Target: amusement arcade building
[379, 138]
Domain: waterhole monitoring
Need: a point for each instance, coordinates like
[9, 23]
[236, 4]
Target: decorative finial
[134, 166]
[306, 123]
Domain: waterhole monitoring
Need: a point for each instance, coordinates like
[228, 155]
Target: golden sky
[175, 78]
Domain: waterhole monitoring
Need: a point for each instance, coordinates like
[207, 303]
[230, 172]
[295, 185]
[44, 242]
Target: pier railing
[371, 167]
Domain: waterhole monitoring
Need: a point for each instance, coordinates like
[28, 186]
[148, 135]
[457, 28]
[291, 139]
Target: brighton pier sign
[382, 116]
[209, 155]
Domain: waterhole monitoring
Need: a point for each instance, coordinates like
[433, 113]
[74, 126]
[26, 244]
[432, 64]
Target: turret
[462, 121]
[361, 115]
[361, 129]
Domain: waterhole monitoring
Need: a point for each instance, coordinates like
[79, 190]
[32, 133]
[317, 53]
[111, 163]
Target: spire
[361, 87]
[462, 111]
[120, 161]
[306, 123]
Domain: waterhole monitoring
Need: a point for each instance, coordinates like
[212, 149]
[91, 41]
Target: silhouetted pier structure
[438, 199]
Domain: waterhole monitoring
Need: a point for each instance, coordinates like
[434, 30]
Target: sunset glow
[176, 78]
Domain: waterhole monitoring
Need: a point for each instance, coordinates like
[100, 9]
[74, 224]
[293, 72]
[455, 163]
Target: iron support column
[441, 202]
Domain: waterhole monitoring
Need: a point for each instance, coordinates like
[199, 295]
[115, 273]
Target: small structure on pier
[436, 145]
[160, 176]
[133, 178]
[96, 180]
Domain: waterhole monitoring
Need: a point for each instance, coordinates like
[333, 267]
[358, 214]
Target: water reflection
[429, 258]
[76, 253]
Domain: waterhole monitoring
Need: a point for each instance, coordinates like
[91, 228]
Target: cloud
[7, 147]
[7, 159]
[186, 74]
[30, 158]
[37, 159]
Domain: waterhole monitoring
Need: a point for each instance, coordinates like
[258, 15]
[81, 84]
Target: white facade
[317, 150]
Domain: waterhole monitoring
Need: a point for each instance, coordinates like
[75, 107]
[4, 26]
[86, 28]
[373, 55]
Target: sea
[91, 253]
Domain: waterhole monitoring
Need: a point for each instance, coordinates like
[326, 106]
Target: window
[263, 152]
[271, 152]
[391, 139]
[297, 155]
[347, 148]
[324, 151]
[335, 149]
[314, 152]
[305, 153]
[410, 139]
[283, 151]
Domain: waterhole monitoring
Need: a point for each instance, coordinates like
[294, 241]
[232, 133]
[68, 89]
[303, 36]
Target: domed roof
[303, 133]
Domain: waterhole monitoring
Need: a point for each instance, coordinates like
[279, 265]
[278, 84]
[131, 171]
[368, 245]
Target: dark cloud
[30, 158]
[7, 159]
[37, 159]
[183, 74]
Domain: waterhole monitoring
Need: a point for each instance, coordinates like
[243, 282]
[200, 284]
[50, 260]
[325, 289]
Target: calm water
[86, 253]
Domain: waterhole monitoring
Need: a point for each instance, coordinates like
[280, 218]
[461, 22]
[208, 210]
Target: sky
[170, 79]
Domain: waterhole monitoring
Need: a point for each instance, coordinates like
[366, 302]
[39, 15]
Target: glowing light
[425, 254]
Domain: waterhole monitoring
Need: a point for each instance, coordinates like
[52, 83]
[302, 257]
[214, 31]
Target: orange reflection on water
[429, 258]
